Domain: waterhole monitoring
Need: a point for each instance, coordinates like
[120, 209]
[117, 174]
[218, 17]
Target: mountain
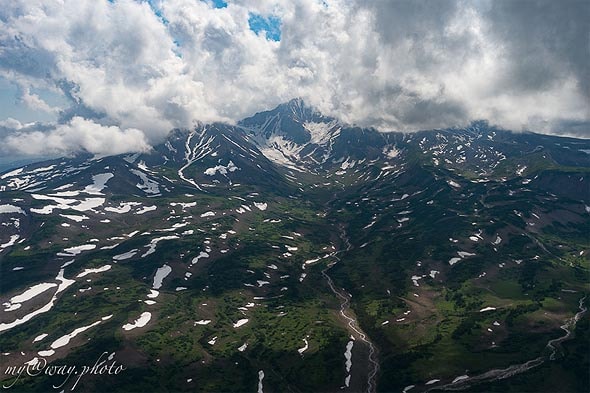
[293, 135]
[293, 252]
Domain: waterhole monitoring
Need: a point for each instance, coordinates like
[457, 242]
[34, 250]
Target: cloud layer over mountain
[132, 70]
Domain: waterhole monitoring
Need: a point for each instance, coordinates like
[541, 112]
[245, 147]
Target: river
[498, 374]
[352, 323]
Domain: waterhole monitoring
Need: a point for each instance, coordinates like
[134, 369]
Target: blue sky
[219, 3]
[11, 107]
[270, 25]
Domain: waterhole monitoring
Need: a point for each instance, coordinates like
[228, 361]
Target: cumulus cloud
[77, 135]
[134, 70]
[11, 123]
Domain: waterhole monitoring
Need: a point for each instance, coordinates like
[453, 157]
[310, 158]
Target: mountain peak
[296, 110]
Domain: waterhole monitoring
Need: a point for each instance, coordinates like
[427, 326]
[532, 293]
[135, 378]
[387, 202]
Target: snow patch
[100, 182]
[260, 378]
[126, 255]
[453, 184]
[222, 170]
[30, 293]
[261, 206]
[64, 340]
[143, 320]
[5, 209]
[73, 251]
[146, 209]
[161, 274]
[348, 355]
[11, 242]
[147, 185]
[487, 309]
[153, 243]
[304, 348]
[241, 322]
[40, 337]
[124, 207]
[391, 152]
[97, 270]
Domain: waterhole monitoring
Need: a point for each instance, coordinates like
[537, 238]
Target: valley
[291, 252]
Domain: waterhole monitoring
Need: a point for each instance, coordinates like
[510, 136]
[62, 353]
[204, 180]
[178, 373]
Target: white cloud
[401, 65]
[78, 135]
[35, 102]
[11, 123]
